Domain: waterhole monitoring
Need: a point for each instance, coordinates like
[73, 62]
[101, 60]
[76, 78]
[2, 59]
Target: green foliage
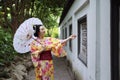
[14, 12]
[49, 12]
[7, 52]
[55, 35]
[52, 32]
[55, 32]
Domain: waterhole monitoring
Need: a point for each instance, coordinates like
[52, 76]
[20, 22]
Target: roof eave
[66, 9]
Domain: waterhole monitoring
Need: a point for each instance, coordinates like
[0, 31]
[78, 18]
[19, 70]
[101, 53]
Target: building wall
[119, 42]
[105, 40]
[98, 37]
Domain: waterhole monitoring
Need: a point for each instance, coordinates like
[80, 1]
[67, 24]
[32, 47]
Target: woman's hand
[72, 36]
[44, 47]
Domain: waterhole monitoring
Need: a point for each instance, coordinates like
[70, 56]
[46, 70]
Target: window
[82, 39]
[70, 33]
[65, 33]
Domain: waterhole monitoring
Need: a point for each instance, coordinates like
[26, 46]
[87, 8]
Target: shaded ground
[61, 70]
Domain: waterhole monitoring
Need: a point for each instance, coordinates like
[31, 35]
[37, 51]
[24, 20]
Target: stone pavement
[61, 70]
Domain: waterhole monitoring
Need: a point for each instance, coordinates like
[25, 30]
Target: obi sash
[46, 55]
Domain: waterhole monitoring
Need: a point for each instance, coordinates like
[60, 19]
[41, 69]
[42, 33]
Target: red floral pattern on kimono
[44, 69]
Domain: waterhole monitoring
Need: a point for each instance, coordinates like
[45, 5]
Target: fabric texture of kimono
[43, 62]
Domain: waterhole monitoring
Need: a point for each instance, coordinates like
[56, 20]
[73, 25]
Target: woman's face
[42, 30]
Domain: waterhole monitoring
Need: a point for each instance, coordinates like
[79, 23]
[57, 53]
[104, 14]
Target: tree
[14, 12]
[49, 12]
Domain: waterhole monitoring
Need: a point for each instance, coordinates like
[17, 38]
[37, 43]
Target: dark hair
[37, 29]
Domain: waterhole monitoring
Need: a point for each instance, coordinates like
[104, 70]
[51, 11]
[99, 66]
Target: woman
[41, 49]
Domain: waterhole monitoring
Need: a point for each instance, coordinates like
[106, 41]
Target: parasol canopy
[24, 35]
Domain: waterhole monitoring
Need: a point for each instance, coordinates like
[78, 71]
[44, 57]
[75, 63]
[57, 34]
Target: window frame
[70, 33]
[80, 22]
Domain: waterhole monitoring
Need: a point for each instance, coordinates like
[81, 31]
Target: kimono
[43, 62]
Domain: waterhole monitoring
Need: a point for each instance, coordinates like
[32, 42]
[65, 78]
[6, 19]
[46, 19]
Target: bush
[7, 52]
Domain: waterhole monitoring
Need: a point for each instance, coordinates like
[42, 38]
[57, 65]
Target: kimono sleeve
[36, 48]
[57, 48]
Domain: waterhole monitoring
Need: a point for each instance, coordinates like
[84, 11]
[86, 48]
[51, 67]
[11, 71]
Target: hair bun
[34, 27]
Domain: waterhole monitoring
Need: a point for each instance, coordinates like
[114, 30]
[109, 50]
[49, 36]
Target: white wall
[119, 43]
[78, 10]
[92, 35]
[105, 40]
[98, 27]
